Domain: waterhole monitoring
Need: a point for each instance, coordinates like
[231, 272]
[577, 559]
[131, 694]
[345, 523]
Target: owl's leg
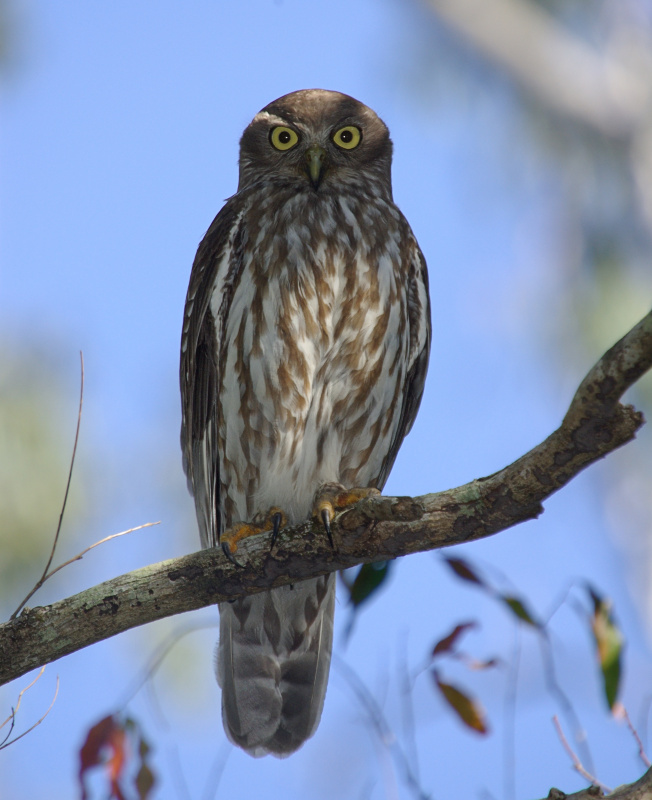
[272, 521]
[333, 497]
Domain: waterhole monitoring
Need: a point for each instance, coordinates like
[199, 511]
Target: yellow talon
[333, 497]
[273, 521]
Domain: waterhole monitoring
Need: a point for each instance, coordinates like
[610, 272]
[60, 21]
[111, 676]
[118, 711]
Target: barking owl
[303, 359]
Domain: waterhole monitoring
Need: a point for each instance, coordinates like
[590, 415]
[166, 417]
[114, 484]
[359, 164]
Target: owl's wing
[419, 354]
[199, 375]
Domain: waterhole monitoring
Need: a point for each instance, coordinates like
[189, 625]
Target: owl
[304, 353]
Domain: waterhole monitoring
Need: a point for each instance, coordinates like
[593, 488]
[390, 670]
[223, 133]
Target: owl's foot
[333, 497]
[272, 521]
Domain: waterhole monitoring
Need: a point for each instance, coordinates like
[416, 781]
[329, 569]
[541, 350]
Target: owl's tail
[273, 659]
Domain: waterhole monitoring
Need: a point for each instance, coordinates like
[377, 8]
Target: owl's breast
[311, 350]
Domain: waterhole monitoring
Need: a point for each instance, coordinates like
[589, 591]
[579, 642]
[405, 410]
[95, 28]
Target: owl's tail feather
[273, 660]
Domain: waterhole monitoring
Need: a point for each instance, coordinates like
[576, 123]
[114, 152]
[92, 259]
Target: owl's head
[319, 139]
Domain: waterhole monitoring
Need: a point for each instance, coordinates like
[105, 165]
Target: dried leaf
[93, 749]
[117, 760]
[472, 663]
[145, 779]
[109, 744]
[609, 645]
[462, 569]
[95, 740]
[467, 709]
[447, 644]
[144, 782]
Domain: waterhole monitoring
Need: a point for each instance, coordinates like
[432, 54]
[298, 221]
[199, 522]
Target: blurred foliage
[4, 35]
[10, 25]
[118, 745]
[608, 644]
[593, 194]
[37, 428]
[369, 578]
[599, 621]
[602, 235]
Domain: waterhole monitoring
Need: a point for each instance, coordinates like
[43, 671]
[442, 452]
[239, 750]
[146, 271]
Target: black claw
[230, 556]
[276, 520]
[326, 519]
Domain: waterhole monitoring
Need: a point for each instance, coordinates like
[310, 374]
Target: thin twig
[509, 735]
[79, 556]
[212, 783]
[634, 732]
[577, 764]
[558, 693]
[380, 724]
[38, 722]
[11, 717]
[44, 576]
[407, 706]
[14, 710]
[644, 716]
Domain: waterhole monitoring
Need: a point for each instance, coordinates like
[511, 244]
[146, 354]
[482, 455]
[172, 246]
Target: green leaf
[369, 579]
[468, 710]
[517, 607]
[609, 645]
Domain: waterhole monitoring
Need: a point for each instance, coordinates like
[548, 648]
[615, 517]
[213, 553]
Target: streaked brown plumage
[303, 358]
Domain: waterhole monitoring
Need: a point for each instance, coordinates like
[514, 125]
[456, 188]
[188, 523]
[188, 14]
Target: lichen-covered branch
[376, 529]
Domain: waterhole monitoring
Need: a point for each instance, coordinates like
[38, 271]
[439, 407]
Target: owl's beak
[315, 164]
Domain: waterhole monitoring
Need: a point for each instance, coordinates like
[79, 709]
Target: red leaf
[105, 745]
[91, 751]
[462, 569]
[447, 644]
[117, 761]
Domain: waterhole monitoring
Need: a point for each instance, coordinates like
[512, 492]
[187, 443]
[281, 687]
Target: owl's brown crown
[312, 118]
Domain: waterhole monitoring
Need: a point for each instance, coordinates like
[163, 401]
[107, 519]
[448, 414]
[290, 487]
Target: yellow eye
[348, 137]
[283, 138]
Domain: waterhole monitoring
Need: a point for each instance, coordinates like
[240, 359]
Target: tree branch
[640, 790]
[376, 529]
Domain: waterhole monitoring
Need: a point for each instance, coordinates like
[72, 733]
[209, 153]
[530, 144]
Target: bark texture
[640, 790]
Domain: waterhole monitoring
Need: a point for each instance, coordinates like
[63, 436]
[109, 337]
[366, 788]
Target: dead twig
[622, 711]
[39, 721]
[12, 717]
[78, 557]
[386, 736]
[45, 576]
[577, 764]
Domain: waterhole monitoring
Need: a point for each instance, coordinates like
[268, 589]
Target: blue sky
[119, 142]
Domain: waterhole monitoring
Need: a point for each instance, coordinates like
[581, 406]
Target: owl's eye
[283, 138]
[348, 137]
